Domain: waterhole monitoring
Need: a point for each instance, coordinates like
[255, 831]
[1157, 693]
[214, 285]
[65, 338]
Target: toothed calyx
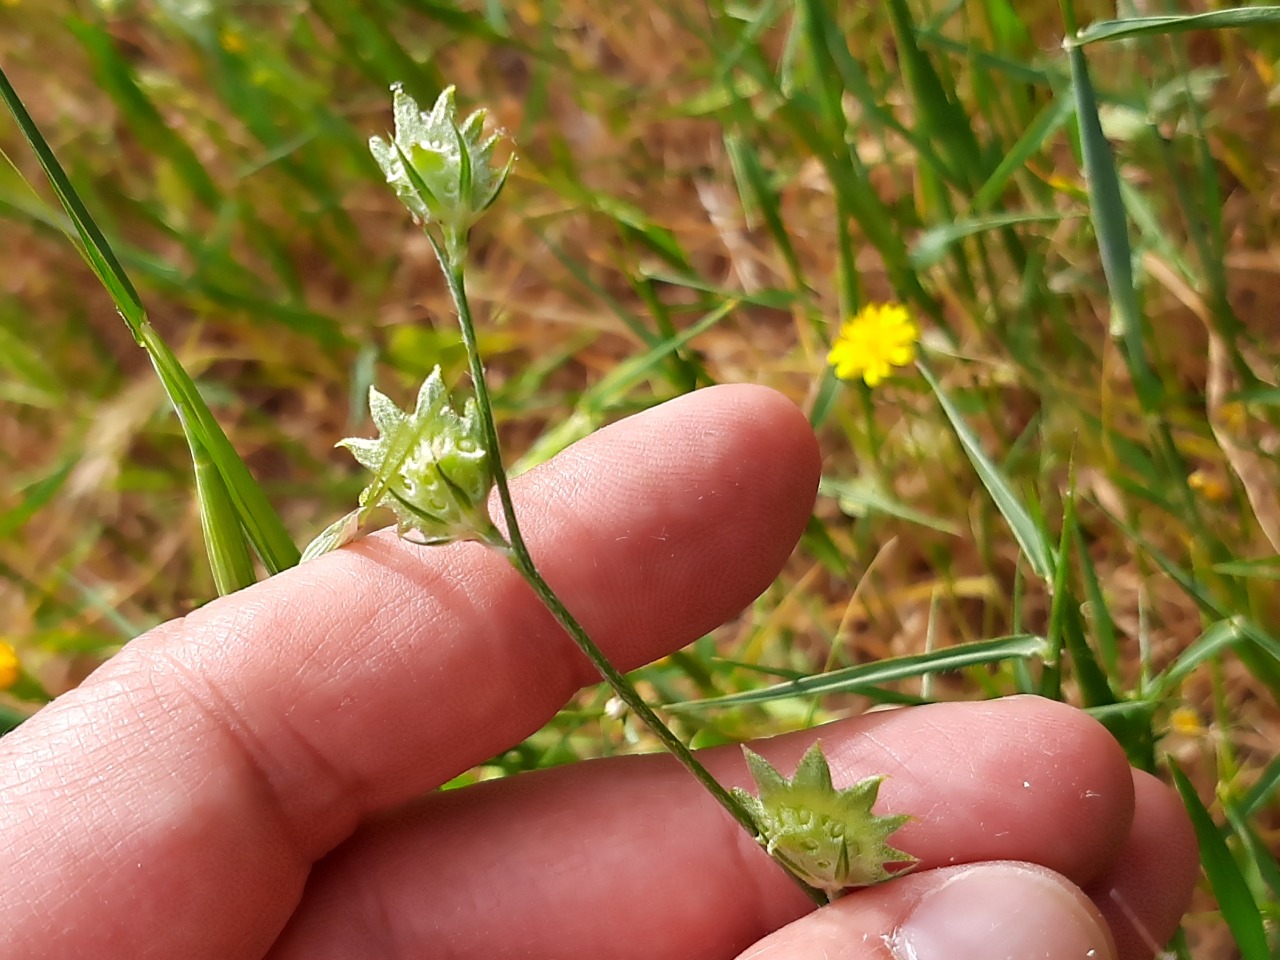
[430, 466]
[441, 169]
[828, 837]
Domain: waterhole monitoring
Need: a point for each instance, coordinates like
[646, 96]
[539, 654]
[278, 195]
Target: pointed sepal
[828, 837]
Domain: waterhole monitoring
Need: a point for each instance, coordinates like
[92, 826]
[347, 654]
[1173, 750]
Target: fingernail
[1003, 911]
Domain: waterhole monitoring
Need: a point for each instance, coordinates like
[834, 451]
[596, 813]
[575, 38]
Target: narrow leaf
[224, 538]
[853, 679]
[1105, 30]
[1235, 900]
[1029, 536]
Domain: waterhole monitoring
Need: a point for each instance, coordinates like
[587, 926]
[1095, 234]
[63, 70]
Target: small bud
[430, 466]
[828, 837]
[441, 170]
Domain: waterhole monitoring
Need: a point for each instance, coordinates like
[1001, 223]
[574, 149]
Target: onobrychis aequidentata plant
[829, 837]
[441, 170]
[434, 467]
[430, 467]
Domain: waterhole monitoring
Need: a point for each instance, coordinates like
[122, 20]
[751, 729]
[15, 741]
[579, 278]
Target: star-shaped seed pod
[441, 169]
[828, 837]
[430, 466]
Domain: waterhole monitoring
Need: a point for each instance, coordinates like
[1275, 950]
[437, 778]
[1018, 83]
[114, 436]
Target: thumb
[992, 911]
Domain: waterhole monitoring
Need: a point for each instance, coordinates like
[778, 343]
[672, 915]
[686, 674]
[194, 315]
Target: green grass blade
[224, 537]
[1217, 638]
[1048, 122]
[116, 77]
[1235, 900]
[1130, 722]
[858, 500]
[612, 390]
[1029, 536]
[92, 244]
[944, 120]
[853, 679]
[261, 522]
[1104, 625]
[1064, 619]
[758, 198]
[1264, 568]
[1263, 792]
[266, 531]
[1111, 226]
[33, 499]
[1106, 30]
[935, 243]
[1263, 869]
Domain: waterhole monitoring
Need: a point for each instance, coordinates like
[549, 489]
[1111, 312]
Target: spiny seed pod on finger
[431, 467]
[442, 171]
[828, 837]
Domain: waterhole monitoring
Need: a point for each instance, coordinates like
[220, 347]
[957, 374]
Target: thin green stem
[451, 255]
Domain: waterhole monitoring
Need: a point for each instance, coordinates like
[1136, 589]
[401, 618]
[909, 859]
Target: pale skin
[253, 780]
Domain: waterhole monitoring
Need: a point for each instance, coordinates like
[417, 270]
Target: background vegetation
[703, 192]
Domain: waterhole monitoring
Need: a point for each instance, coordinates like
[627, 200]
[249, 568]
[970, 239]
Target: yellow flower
[9, 665]
[1186, 721]
[1209, 485]
[881, 336]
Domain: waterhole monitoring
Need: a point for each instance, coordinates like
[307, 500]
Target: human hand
[241, 783]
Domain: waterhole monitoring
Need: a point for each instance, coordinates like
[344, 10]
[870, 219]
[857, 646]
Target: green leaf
[1264, 790]
[1029, 536]
[858, 499]
[1064, 617]
[1107, 30]
[1219, 636]
[224, 537]
[935, 243]
[260, 521]
[613, 389]
[1111, 227]
[854, 679]
[1235, 900]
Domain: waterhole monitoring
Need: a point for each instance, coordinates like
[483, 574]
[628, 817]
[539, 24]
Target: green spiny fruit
[829, 837]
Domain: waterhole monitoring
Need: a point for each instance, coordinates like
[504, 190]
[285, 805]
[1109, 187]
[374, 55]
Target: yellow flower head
[9, 665]
[1209, 485]
[880, 336]
[1186, 721]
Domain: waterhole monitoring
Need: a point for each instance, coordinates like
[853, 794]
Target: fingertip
[1084, 760]
[1149, 886]
[1001, 909]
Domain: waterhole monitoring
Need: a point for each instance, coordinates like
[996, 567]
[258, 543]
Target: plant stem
[451, 255]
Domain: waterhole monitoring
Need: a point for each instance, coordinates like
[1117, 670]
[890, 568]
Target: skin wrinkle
[584, 673]
[263, 762]
[1066, 753]
[118, 840]
[396, 636]
[510, 835]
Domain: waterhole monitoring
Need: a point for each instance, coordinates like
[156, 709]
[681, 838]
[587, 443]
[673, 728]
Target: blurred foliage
[1084, 477]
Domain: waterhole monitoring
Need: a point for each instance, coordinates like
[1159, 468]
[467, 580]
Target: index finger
[197, 775]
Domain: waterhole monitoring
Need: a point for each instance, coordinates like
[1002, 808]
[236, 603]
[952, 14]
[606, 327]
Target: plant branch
[451, 254]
